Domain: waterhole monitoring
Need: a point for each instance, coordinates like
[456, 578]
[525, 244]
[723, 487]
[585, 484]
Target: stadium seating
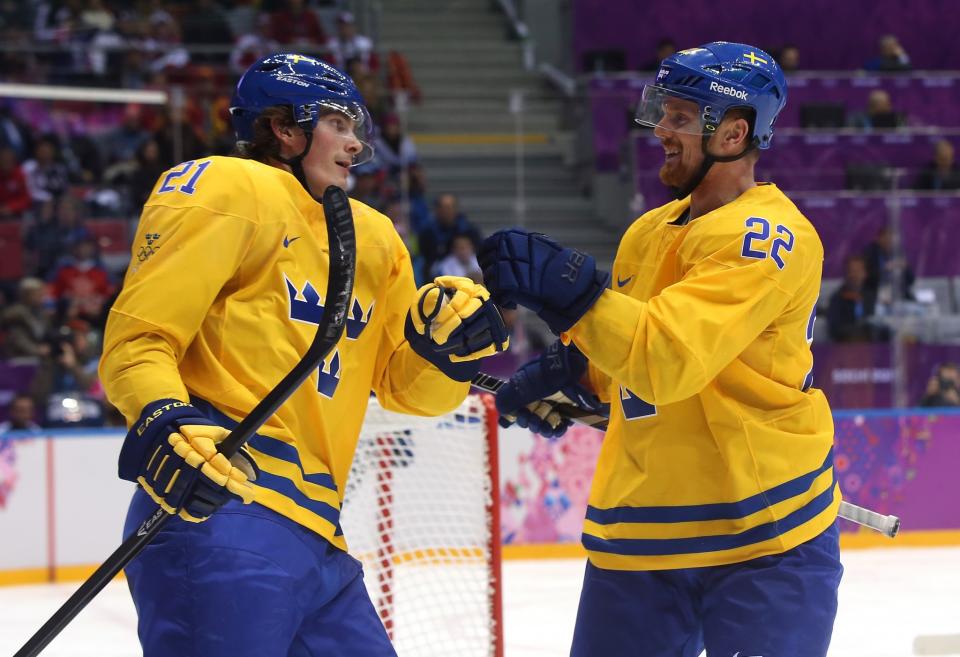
[926, 100]
[831, 36]
[11, 252]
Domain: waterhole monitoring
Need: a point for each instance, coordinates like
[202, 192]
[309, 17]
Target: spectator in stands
[27, 323]
[447, 222]
[296, 26]
[49, 236]
[379, 102]
[394, 150]
[14, 193]
[879, 113]
[99, 22]
[943, 389]
[75, 360]
[665, 48]
[886, 269]
[149, 166]
[400, 217]
[420, 216]
[368, 184]
[21, 415]
[206, 23]
[252, 45]
[192, 143]
[80, 286]
[244, 17]
[70, 374]
[47, 175]
[892, 56]
[163, 47]
[121, 143]
[852, 306]
[14, 133]
[208, 110]
[461, 261]
[942, 173]
[789, 59]
[348, 46]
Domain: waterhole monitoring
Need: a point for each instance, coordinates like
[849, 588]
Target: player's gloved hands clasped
[453, 324]
[553, 377]
[532, 270]
[171, 451]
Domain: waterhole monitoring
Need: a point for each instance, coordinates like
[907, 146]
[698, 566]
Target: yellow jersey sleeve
[669, 348]
[407, 383]
[193, 253]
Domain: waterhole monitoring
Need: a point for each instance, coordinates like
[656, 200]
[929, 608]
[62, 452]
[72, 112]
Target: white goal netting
[420, 512]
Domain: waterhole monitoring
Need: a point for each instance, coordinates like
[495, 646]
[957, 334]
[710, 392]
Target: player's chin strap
[296, 164]
[708, 161]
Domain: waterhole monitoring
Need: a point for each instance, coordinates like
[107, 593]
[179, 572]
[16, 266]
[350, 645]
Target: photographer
[943, 388]
[68, 379]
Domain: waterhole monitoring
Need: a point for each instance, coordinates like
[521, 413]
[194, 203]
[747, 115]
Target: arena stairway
[466, 66]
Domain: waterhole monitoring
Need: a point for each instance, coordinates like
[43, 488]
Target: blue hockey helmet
[718, 77]
[310, 87]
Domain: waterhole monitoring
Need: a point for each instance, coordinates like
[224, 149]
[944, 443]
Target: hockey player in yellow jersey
[223, 296]
[711, 519]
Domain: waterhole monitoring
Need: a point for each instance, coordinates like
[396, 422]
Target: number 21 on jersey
[171, 182]
[761, 233]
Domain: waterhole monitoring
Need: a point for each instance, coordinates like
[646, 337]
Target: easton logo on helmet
[728, 91]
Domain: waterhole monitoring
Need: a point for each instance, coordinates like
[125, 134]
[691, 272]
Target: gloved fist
[530, 269]
[172, 453]
[530, 396]
[453, 324]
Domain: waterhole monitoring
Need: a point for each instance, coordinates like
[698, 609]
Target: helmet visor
[348, 120]
[669, 110]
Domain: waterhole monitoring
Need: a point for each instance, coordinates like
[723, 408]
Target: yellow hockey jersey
[718, 450]
[222, 298]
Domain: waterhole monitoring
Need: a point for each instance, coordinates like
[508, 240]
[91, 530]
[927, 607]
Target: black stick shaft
[340, 232]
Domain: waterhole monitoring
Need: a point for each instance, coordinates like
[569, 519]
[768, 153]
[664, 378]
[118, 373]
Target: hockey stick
[343, 260]
[887, 525]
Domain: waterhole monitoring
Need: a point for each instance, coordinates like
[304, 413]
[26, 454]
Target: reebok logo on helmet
[728, 91]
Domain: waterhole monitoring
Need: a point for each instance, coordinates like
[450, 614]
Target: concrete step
[545, 203]
[466, 90]
[394, 7]
[492, 123]
[502, 187]
[440, 43]
[536, 217]
[452, 150]
[503, 77]
[454, 57]
[541, 167]
[498, 171]
[495, 102]
[406, 25]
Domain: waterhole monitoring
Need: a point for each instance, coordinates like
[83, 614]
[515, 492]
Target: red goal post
[422, 513]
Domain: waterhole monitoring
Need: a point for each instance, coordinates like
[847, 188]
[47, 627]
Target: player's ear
[736, 135]
[282, 130]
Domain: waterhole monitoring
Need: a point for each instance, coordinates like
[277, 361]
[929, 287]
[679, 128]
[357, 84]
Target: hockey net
[421, 511]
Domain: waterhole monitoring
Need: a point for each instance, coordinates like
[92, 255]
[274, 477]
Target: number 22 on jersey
[761, 233]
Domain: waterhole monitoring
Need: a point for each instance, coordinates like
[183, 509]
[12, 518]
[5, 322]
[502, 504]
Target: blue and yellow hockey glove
[527, 398]
[530, 269]
[453, 324]
[171, 451]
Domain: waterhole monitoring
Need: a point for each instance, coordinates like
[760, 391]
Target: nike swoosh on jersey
[621, 283]
[288, 241]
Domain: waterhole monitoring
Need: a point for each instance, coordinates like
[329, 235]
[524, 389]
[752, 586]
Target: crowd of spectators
[68, 168]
